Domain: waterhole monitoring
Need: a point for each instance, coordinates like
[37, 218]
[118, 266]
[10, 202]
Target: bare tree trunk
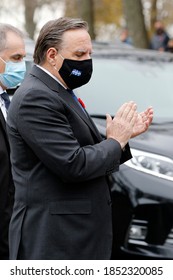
[133, 11]
[86, 12]
[30, 7]
[153, 16]
[30, 25]
[82, 9]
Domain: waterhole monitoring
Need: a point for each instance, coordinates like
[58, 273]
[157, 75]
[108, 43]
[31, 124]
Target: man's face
[14, 50]
[76, 45]
[159, 27]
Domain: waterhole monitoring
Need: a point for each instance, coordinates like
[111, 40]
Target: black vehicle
[142, 190]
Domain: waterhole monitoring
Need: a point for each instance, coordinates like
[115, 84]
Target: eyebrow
[17, 55]
[82, 51]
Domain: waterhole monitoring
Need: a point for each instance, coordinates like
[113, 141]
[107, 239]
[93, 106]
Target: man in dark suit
[11, 50]
[60, 162]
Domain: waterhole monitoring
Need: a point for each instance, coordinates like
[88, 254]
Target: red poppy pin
[81, 103]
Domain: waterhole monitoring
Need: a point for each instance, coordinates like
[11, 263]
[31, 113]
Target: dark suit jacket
[60, 165]
[6, 190]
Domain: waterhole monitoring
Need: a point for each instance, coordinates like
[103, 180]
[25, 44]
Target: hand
[143, 122]
[121, 126]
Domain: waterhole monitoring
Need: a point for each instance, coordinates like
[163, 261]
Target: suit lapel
[2, 121]
[3, 125]
[66, 96]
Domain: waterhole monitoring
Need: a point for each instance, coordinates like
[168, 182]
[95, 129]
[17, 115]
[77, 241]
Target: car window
[115, 81]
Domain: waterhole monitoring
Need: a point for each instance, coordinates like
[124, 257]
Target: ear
[51, 56]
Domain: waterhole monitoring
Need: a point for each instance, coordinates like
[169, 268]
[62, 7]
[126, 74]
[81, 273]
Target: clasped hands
[128, 123]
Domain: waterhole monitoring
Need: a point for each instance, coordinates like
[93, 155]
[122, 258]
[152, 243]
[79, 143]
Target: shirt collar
[50, 74]
[1, 90]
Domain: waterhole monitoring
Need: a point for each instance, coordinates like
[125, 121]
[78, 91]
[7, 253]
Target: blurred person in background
[170, 46]
[12, 70]
[125, 38]
[60, 162]
[160, 37]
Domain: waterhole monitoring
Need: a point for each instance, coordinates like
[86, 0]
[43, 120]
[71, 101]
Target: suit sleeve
[45, 128]
[126, 154]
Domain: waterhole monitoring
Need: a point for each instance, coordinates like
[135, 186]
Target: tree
[30, 25]
[30, 7]
[86, 11]
[108, 18]
[108, 11]
[82, 9]
[97, 13]
[105, 17]
[133, 11]
[153, 16]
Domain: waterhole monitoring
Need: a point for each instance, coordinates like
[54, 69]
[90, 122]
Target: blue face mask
[14, 73]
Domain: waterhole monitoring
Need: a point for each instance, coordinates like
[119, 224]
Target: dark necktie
[6, 99]
[76, 99]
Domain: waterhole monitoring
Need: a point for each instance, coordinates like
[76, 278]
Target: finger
[144, 116]
[125, 109]
[147, 121]
[150, 119]
[149, 111]
[120, 110]
[129, 111]
[108, 119]
[148, 115]
[134, 118]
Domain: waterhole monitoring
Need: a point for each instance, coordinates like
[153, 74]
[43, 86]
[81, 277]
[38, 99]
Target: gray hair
[4, 29]
[51, 35]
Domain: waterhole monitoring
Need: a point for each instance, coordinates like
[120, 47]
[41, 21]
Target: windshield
[115, 81]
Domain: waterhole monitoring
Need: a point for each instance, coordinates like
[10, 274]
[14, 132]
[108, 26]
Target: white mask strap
[61, 56]
[3, 60]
